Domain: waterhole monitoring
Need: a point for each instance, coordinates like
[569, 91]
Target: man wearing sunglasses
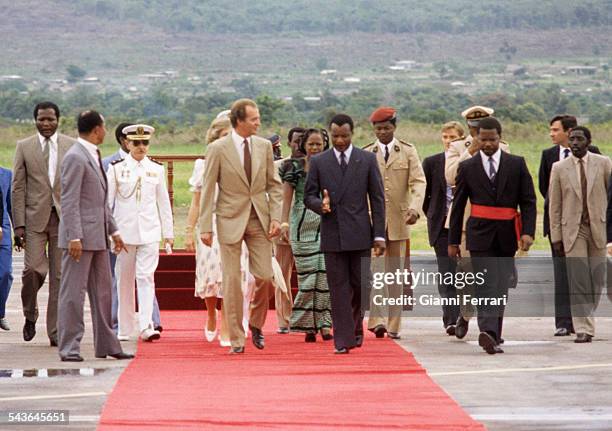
[138, 194]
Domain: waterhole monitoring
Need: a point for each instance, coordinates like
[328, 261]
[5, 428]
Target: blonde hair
[454, 125]
[216, 127]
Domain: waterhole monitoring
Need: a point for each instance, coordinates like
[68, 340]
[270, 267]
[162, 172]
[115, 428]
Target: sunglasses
[138, 143]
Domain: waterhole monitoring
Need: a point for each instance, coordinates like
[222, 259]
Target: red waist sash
[499, 213]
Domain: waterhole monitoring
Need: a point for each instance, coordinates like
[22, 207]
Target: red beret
[384, 113]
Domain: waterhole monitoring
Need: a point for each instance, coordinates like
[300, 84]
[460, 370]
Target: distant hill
[333, 16]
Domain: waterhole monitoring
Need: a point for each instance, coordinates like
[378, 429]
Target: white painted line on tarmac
[57, 396]
[518, 370]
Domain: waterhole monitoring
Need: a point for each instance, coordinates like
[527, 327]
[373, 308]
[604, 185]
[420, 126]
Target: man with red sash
[497, 184]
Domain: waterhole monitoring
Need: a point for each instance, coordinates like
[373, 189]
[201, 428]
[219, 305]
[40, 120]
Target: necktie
[247, 160]
[343, 164]
[101, 166]
[46, 144]
[583, 186]
[566, 153]
[386, 153]
[492, 170]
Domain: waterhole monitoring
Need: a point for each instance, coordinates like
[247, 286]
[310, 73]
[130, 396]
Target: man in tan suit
[458, 151]
[578, 203]
[404, 183]
[248, 209]
[36, 212]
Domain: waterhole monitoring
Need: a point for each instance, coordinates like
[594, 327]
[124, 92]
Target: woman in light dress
[208, 259]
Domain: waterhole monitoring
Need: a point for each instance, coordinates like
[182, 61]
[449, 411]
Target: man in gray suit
[83, 238]
[36, 213]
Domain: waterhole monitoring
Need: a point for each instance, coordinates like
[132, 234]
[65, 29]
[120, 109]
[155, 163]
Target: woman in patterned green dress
[311, 308]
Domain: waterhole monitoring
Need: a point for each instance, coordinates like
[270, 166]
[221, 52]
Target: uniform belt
[499, 213]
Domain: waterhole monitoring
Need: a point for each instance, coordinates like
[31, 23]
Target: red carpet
[183, 382]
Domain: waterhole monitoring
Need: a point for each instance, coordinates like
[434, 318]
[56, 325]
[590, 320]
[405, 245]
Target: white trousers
[136, 267]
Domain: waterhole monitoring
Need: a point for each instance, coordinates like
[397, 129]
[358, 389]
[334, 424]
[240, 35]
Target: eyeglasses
[138, 143]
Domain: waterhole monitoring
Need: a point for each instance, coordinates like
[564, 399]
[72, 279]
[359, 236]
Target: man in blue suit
[119, 155]
[341, 182]
[6, 255]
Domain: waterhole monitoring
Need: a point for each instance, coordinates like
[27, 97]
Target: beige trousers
[260, 266]
[283, 302]
[586, 273]
[389, 316]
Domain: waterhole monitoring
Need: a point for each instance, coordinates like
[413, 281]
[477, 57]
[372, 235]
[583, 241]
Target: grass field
[525, 140]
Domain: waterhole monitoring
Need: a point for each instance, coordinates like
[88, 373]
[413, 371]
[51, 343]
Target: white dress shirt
[52, 168]
[384, 147]
[562, 152]
[239, 144]
[485, 161]
[347, 154]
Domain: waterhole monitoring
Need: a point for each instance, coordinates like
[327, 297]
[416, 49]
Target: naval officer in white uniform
[137, 192]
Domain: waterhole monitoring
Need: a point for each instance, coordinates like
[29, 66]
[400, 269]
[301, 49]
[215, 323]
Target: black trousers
[497, 268]
[450, 313]
[563, 309]
[348, 272]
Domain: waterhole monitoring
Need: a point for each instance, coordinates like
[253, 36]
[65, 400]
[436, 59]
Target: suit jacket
[404, 184]
[348, 226]
[549, 157]
[565, 195]
[33, 195]
[513, 189]
[609, 212]
[434, 204]
[86, 214]
[6, 177]
[236, 195]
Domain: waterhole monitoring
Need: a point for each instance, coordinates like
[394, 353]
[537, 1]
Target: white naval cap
[138, 132]
[476, 113]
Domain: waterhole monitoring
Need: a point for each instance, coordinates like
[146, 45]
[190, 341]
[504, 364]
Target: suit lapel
[574, 179]
[334, 168]
[440, 166]
[95, 165]
[591, 174]
[380, 158]
[353, 165]
[256, 159]
[233, 158]
[37, 153]
[393, 155]
[502, 175]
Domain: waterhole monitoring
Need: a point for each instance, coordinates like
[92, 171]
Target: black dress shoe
[581, 337]
[120, 356]
[72, 358]
[257, 337]
[461, 328]
[327, 336]
[236, 350]
[310, 337]
[394, 335]
[487, 342]
[53, 341]
[358, 340]
[29, 330]
[450, 330]
[159, 328]
[562, 332]
[341, 351]
[501, 341]
[379, 330]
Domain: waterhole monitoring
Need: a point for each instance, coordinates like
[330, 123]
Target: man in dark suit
[84, 231]
[341, 182]
[438, 198]
[560, 127]
[496, 183]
